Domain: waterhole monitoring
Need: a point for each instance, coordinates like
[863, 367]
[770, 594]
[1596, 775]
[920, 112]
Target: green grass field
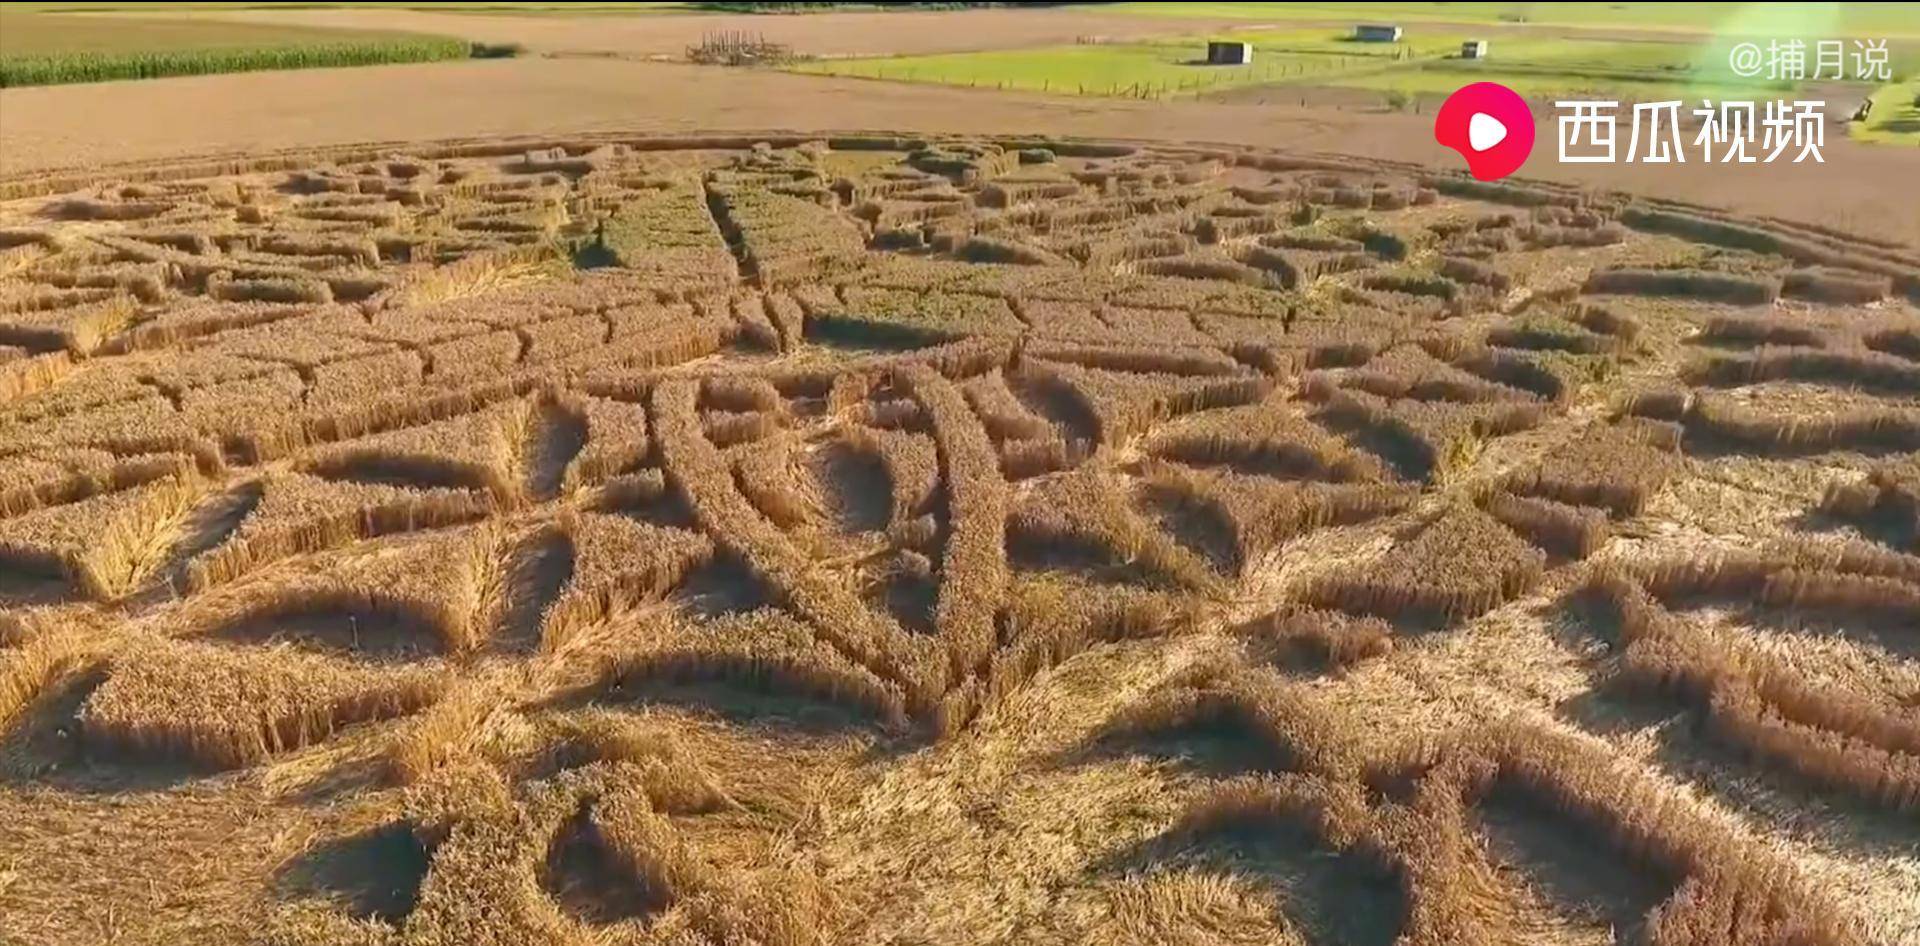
[1896, 115]
[1566, 67]
[48, 48]
[28, 34]
[1879, 20]
[1157, 69]
[1424, 63]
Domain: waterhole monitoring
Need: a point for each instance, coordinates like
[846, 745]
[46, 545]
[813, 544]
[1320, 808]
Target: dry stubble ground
[1860, 188]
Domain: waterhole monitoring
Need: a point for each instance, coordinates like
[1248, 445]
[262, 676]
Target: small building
[1475, 49]
[1376, 33]
[1221, 53]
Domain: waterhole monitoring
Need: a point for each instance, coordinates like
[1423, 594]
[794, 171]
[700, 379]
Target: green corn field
[67, 67]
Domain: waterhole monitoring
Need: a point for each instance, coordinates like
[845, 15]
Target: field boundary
[1518, 190]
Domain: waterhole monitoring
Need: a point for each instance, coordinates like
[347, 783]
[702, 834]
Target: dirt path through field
[1861, 188]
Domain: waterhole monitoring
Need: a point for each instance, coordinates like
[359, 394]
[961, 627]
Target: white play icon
[1484, 131]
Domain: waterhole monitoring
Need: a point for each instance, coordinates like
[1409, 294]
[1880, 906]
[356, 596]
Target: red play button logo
[1490, 125]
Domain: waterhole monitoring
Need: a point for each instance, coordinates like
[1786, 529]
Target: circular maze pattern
[886, 540]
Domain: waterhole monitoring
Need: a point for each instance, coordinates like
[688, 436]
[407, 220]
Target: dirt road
[1864, 189]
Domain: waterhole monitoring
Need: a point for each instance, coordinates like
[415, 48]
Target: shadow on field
[48, 746]
[1332, 899]
[374, 874]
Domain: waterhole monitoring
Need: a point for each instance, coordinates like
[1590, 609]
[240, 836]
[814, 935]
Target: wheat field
[876, 539]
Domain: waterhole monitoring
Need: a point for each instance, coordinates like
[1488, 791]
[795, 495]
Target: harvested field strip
[536, 567]
[1423, 440]
[1287, 723]
[1727, 422]
[297, 515]
[1049, 620]
[1001, 410]
[1810, 249]
[58, 479]
[28, 670]
[1844, 369]
[1329, 640]
[973, 565]
[1715, 287]
[765, 650]
[912, 467]
[1666, 842]
[479, 451]
[1265, 439]
[344, 625]
[1340, 877]
[616, 564]
[1458, 565]
[227, 709]
[1572, 531]
[104, 546]
[1125, 404]
[697, 471]
[1258, 513]
[1616, 467]
[1796, 576]
[1085, 510]
[855, 487]
[1754, 703]
[1741, 331]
